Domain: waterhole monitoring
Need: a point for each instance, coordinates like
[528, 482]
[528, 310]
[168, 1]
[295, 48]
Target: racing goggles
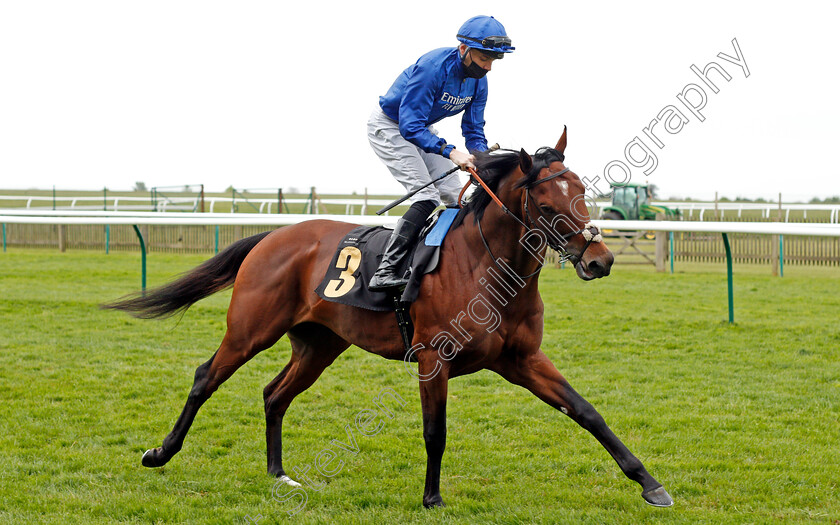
[492, 43]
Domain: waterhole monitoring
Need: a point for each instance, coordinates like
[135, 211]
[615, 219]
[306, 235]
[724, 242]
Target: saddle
[357, 257]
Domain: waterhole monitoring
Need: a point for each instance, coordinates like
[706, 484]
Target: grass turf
[740, 423]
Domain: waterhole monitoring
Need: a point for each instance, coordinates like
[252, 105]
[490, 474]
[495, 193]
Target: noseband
[590, 232]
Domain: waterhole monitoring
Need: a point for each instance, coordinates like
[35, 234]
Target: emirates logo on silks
[454, 103]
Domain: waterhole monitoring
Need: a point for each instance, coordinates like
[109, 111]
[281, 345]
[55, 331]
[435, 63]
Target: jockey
[442, 83]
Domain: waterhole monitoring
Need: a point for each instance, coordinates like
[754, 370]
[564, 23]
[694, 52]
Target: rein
[590, 232]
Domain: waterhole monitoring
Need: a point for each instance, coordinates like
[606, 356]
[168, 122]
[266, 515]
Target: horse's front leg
[539, 375]
[434, 379]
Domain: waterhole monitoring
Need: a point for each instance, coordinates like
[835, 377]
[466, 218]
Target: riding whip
[412, 193]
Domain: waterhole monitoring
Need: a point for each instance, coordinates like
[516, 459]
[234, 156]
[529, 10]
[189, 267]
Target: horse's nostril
[597, 268]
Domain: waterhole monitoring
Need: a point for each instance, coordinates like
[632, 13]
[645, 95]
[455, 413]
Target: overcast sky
[268, 94]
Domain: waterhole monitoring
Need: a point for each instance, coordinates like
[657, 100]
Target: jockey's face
[474, 55]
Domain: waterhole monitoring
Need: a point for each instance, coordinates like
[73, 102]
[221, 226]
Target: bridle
[590, 232]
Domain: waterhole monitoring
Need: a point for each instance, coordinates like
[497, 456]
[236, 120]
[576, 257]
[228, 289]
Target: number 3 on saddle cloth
[358, 256]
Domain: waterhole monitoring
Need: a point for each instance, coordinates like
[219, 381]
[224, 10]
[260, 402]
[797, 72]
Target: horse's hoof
[433, 502]
[288, 481]
[658, 497]
[151, 458]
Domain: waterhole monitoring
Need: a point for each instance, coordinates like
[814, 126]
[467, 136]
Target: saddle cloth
[358, 255]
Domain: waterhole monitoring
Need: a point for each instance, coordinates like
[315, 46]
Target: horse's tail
[212, 276]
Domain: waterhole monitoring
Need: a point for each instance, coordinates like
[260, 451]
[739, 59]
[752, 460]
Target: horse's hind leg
[537, 373]
[314, 348]
[234, 352]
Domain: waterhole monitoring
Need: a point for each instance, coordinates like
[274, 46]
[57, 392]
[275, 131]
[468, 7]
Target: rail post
[660, 247]
[729, 278]
[671, 242]
[781, 255]
[779, 216]
[716, 206]
[62, 242]
[4, 237]
[142, 259]
[107, 226]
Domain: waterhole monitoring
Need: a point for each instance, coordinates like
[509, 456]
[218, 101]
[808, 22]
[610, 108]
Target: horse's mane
[492, 167]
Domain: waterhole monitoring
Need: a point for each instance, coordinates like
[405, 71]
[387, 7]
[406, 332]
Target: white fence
[692, 210]
[770, 228]
[31, 216]
[155, 218]
[735, 209]
[192, 203]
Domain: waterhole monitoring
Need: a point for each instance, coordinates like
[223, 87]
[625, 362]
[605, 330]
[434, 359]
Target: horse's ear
[525, 162]
[561, 144]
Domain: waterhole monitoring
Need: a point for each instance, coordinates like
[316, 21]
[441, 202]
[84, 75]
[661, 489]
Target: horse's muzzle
[595, 267]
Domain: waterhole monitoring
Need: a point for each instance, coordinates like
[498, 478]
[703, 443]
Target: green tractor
[631, 202]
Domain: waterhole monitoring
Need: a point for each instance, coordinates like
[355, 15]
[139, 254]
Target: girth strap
[403, 322]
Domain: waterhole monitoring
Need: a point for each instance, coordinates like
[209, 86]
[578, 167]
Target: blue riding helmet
[486, 34]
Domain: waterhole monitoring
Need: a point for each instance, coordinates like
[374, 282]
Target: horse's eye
[546, 209]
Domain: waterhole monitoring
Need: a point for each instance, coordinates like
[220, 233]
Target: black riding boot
[398, 247]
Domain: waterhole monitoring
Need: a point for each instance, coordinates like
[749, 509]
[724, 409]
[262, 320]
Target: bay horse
[274, 276]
